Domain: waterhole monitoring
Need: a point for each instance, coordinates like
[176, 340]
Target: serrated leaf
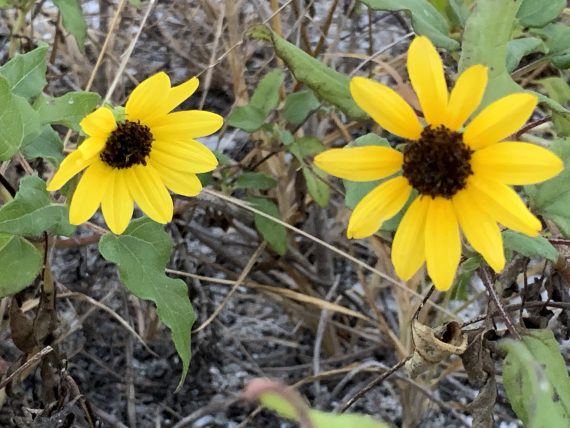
[529, 246]
[20, 263]
[518, 48]
[317, 186]
[248, 118]
[426, 19]
[11, 122]
[73, 20]
[67, 110]
[255, 180]
[551, 199]
[46, 145]
[326, 83]
[536, 380]
[26, 73]
[31, 211]
[266, 95]
[538, 13]
[274, 233]
[141, 254]
[298, 105]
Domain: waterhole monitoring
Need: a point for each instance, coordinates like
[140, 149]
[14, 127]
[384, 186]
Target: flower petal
[516, 163]
[426, 74]
[117, 203]
[189, 156]
[499, 120]
[381, 204]
[89, 192]
[481, 231]
[443, 245]
[360, 163]
[99, 124]
[149, 192]
[149, 95]
[180, 93]
[76, 162]
[466, 96]
[182, 125]
[408, 248]
[183, 183]
[386, 107]
[503, 205]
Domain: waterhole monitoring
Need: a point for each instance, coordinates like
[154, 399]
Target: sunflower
[461, 175]
[140, 158]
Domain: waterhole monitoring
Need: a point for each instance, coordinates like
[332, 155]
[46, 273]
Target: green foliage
[426, 19]
[141, 254]
[67, 110]
[326, 83]
[11, 123]
[466, 271]
[536, 380]
[31, 211]
[557, 40]
[538, 13]
[30, 120]
[528, 246]
[248, 118]
[551, 199]
[274, 233]
[315, 178]
[558, 89]
[26, 73]
[73, 20]
[255, 180]
[299, 105]
[518, 48]
[46, 145]
[21, 263]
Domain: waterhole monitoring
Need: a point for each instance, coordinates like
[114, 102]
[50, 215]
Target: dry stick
[344, 254]
[239, 281]
[34, 359]
[208, 78]
[486, 277]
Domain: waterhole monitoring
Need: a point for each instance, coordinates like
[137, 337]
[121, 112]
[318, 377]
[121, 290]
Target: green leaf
[326, 83]
[299, 105]
[557, 39]
[305, 147]
[538, 13]
[46, 145]
[487, 32]
[255, 180]
[11, 122]
[30, 120]
[536, 380]
[317, 186]
[551, 199]
[31, 211]
[518, 48]
[67, 110]
[20, 264]
[528, 246]
[426, 19]
[274, 233]
[141, 254]
[466, 271]
[557, 88]
[73, 20]
[248, 118]
[26, 73]
[266, 95]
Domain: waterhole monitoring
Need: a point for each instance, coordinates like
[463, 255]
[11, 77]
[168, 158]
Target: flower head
[141, 158]
[461, 175]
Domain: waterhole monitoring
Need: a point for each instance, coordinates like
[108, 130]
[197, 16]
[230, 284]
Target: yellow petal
[516, 163]
[99, 124]
[149, 192]
[89, 192]
[360, 163]
[183, 183]
[481, 231]
[117, 203]
[147, 97]
[188, 156]
[443, 245]
[466, 96]
[182, 125]
[408, 248]
[386, 107]
[381, 204]
[503, 205]
[426, 74]
[76, 162]
[499, 120]
[176, 96]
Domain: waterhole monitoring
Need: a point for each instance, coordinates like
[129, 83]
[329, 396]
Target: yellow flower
[141, 158]
[461, 175]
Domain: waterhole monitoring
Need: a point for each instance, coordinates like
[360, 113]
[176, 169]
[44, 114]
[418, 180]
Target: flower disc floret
[129, 144]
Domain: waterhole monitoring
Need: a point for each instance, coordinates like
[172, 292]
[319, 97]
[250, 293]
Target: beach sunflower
[461, 174]
[139, 159]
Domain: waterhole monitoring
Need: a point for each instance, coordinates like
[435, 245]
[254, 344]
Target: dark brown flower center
[439, 163]
[127, 145]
